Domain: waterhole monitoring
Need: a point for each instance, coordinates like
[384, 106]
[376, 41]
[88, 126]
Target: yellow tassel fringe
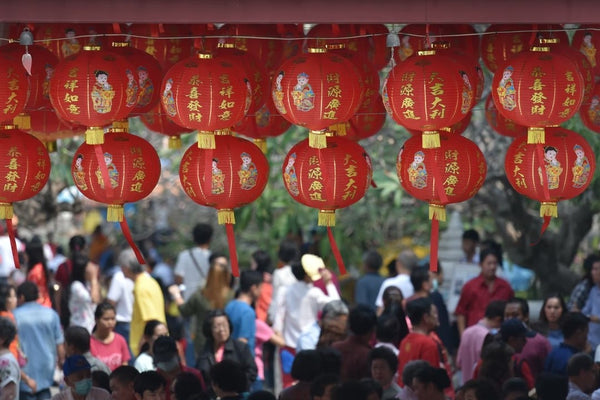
[225, 216]
[6, 211]
[206, 140]
[22, 121]
[430, 140]
[115, 213]
[261, 144]
[317, 139]
[174, 142]
[536, 135]
[51, 146]
[549, 209]
[437, 211]
[326, 218]
[94, 135]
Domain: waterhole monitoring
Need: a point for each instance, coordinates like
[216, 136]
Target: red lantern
[585, 40]
[538, 88]
[374, 45]
[24, 171]
[501, 125]
[429, 92]
[157, 121]
[451, 173]
[206, 94]
[47, 127]
[74, 37]
[368, 120]
[327, 179]
[418, 37]
[590, 111]
[295, 43]
[13, 87]
[317, 90]
[231, 175]
[324, 35]
[90, 89]
[560, 169]
[168, 52]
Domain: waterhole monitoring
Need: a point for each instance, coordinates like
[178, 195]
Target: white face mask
[168, 366]
[434, 284]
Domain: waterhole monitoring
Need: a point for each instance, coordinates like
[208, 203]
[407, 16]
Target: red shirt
[521, 369]
[194, 371]
[113, 354]
[475, 297]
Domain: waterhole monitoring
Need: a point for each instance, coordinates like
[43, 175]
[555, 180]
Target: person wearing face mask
[78, 378]
[167, 361]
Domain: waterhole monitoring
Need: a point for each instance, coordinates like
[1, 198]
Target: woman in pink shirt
[105, 344]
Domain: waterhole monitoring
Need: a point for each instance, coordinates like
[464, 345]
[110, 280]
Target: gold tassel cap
[94, 135]
[115, 213]
[51, 146]
[174, 142]
[437, 211]
[536, 135]
[121, 126]
[261, 144]
[317, 139]
[339, 129]
[430, 139]
[326, 218]
[23, 121]
[549, 209]
[206, 140]
[6, 211]
[225, 216]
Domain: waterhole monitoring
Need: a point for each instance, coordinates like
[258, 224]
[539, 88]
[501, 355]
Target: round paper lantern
[590, 111]
[429, 92]
[231, 175]
[501, 125]
[143, 80]
[457, 129]
[90, 89]
[560, 169]
[207, 94]
[538, 88]
[317, 90]
[159, 122]
[74, 37]
[294, 33]
[324, 35]
[585, 40]
[168, 52]
[13, 87]
[47, 127]
[368, 120]
[374, 44]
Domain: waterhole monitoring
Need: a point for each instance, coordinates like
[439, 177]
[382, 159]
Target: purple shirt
[469, 350]
[535, 352]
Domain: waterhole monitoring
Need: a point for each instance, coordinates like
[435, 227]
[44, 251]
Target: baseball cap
[74, 364]
[514, 327]
[164, 349]
[312, 264]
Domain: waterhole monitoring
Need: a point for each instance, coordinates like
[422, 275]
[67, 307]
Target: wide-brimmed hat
[312, 265]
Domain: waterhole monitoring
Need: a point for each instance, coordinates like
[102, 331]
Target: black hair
[391, 268]
[372, 260]
[362, 320]
[208, 321]
[306, 365]
[471, 234]
[484, 389]
[78, 337]
[261, 395]
[263, 261]
[35, 255]
[437, 376]
[76, 244]
[298, 270]
[28, 290]
[410, 370]
[352, 390]
[149, 332]
[486, 251]
[587, 266]
[214, 256]
[515, 384]
[288, 251]
[496, 357]
[372, 386]
[388, 329]
[248, 279]
[563, 305]
[102, 308]
[5, 289]
[148, 380]
[418, 276]
[385, 354]
[572, 322]
[79, 262]
[488, 247]
[320, 383]
[495, 309]
[386, 297]
[397, 310]
[187, 385]
[100, 379]
[579, 362]
[522, 303]
[124, 374]
[8, 331]
[418, 308]
[229, 376]
[549, 386]
[331, 360]
[202, 233]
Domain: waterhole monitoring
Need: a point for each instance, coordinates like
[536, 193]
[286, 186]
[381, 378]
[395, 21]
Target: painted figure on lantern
[132, 89]
[46, 84]
[594, 110]
[79, 175]
[588, 49]
[168, 100]
[102, 94]
[290, 177]
[506, 90]
[248, 172]
[405, 50]
[552, 167]
[262, 116]
[71, 45]
[467, 93]
[113, 173]
[146, 87]
[278, 94]
[581, 168]
[417, 173]
[248, 102]
[303, 93]
[218, 178]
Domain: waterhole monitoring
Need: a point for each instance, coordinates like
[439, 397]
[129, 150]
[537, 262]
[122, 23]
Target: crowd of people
[101, 324]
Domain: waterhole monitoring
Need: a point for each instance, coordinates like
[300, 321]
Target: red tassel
[373, 183]
[534, 34]
[545, 225]
[129, 238]
[103, 170]
[232, 251]
[336, 252]
[434, 244]
[13, 242]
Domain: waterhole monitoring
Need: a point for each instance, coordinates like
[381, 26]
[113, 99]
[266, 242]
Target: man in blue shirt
[367, 286]
[240, 311]
[40, 338]
[575, 330]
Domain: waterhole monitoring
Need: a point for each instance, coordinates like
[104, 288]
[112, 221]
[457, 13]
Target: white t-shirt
[282, 278]
[7, 263]
[194, 276]
[9, 372]
[95, 393]
[81, 307]
[144, 362]
[401, 281]
[121, 292]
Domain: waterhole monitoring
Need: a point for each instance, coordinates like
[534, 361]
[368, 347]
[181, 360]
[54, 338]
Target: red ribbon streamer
[116, 27]
[439, 186]
[232, 251]
[103, 170]
[336, 252]
[434, 244]
[13, 242]
[539, 148]
[129, 238]
[547, 219]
